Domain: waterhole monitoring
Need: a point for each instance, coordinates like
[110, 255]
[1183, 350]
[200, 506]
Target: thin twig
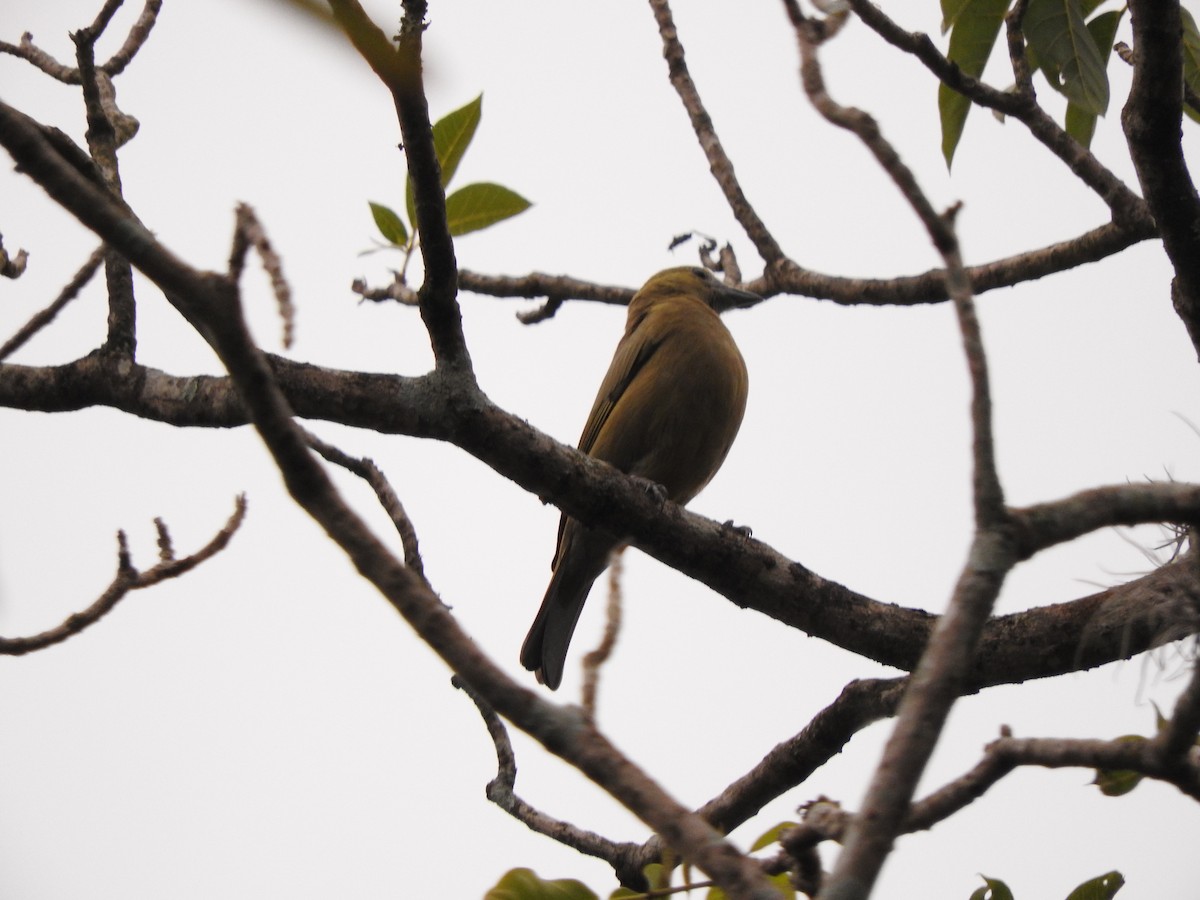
[137, 36]
[43, 318]
[248, 233]
[370, 473]
[12, 267]
[595, 659]
[501, 790]
[128, 579]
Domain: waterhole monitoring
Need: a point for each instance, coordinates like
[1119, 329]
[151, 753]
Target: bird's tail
[545, 647]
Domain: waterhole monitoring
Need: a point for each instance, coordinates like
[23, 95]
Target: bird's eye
[701, 273]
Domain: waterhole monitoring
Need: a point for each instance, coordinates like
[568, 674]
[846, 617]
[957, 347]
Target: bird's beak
[725, 297]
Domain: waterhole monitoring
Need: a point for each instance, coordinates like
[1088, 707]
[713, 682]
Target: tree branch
[128, 579]
[399, 68]
[942, 673]
[1152, 122]
[718, 161]
[1127, 208]
[370, 473]
[790, 278]
[625, 857]
[1048, 640]
[44, 317]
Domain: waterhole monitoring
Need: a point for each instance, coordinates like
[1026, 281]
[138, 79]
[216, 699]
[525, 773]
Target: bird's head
[696, 281]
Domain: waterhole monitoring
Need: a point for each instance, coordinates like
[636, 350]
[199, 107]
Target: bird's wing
[631, 356]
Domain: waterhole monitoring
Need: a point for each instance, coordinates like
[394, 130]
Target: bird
[667, 412]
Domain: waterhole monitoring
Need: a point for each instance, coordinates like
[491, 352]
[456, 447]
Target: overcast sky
[268, 727]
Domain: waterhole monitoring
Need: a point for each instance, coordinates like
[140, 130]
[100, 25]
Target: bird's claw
[741, 530]
[653, 488]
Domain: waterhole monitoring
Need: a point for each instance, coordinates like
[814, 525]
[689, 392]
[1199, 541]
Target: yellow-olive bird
[667, 412]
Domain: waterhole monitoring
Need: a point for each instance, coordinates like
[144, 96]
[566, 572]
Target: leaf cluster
[1070, 42]
[471, 208]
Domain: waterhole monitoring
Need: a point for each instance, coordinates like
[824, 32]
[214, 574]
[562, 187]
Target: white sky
[269, 727]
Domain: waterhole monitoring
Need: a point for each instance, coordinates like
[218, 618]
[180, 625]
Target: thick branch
[1152, 122]
[1045, 641]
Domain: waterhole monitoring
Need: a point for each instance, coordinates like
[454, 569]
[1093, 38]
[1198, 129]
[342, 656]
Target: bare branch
[137, 36]
[43, 318]
[595, 659]
[128, 579]
[1046, 524]
[40, 59]
[370, 473]
[624, 857]
[1135, 756]
[861, 703]
[960, 793]
[718, 162]
[249, 232]
[12, 267]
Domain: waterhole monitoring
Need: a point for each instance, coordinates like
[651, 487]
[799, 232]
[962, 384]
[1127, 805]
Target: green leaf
[482, 204]
[1102, 888]
[784, 884]
[1080, 123]
[993, 889]
[452, 135]
[1118, 782]
[976, 23]
[951, 10]
[781, 881]
[524, 884]
[390, 225]
[771, 836]
[1191, 59]
[1067, 52]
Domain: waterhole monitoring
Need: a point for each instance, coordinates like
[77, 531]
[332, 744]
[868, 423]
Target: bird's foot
[741, 530]
[653, 488]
